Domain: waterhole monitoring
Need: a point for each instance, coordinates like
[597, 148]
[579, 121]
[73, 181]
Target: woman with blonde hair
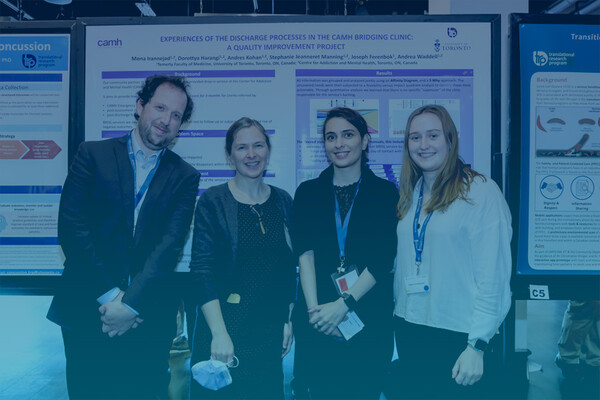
[453, 263]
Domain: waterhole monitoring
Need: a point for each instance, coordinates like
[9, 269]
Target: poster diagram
[400, 111]
[557, 128]
[564, 164]
[560, 204]
[368, 109]
[34, 128]
[287, 76]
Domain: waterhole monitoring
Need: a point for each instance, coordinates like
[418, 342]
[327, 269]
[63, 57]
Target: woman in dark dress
[244, 272]
[343, 224]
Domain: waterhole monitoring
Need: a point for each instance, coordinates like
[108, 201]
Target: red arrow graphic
[11, 149]
[41, 149]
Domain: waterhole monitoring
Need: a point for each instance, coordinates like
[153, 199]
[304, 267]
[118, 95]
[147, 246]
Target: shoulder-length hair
[454, 178]
[355, 119]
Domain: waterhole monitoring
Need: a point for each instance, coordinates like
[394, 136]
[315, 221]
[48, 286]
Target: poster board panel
[287, 72]
[555, 155]
[35, 87]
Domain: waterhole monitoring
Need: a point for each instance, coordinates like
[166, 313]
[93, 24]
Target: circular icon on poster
[426, 288]
[551, 187]
[582, 187]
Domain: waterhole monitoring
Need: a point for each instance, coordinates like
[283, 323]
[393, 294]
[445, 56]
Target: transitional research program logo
[29, 60]
[540, 58]
[437, 45]
[452, 32]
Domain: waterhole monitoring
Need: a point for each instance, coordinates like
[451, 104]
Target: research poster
[34, 127]
[560, 180]
[287, 76]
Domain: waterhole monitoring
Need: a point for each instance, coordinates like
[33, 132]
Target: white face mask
[213, 374]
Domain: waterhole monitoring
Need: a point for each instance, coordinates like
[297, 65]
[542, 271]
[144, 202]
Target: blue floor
[32, 359]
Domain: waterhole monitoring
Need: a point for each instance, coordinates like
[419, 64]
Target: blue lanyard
[419, 237]
[139, 195]
[342, 228]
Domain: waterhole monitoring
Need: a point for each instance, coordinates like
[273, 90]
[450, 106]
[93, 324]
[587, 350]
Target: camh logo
[110, 42]
[540, 58]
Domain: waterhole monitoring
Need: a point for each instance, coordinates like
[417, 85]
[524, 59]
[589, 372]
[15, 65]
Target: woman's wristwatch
[349, 300]
[478, 344]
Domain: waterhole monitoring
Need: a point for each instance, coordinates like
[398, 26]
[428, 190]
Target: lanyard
[419, 237]
[139, 195]
[342, 228]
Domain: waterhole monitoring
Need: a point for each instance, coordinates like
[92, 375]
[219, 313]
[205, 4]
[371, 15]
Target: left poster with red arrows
[34, 128]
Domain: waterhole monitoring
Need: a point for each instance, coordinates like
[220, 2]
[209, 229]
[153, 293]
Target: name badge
[344, 281]
[350, 325]
[416, 284]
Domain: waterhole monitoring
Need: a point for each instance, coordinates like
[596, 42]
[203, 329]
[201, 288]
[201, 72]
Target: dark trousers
[131, 366]
[329, 369]
[257, 346]
[424, 368]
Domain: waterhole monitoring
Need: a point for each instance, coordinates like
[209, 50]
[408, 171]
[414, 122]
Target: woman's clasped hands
[325, 318]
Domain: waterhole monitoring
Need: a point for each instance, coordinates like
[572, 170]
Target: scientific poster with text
[560, 196]
[34, 127]
[288, 76]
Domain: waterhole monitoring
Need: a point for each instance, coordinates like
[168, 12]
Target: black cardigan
[214, 246]
[371, 240]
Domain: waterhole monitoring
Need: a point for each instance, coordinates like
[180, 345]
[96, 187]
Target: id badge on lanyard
[344, 280]
[418, 283]
[341, 228]
[345, 276]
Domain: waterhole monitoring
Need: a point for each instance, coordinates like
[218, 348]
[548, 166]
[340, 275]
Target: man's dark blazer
[96, 232]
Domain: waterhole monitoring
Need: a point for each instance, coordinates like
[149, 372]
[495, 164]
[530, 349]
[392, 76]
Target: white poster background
[565, 171]
[260, 70]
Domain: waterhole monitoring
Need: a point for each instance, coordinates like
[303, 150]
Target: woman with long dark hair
[343, 233]
[244, 272]
[453, 262]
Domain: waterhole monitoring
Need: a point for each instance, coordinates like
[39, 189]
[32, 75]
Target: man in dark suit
[125, 211]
